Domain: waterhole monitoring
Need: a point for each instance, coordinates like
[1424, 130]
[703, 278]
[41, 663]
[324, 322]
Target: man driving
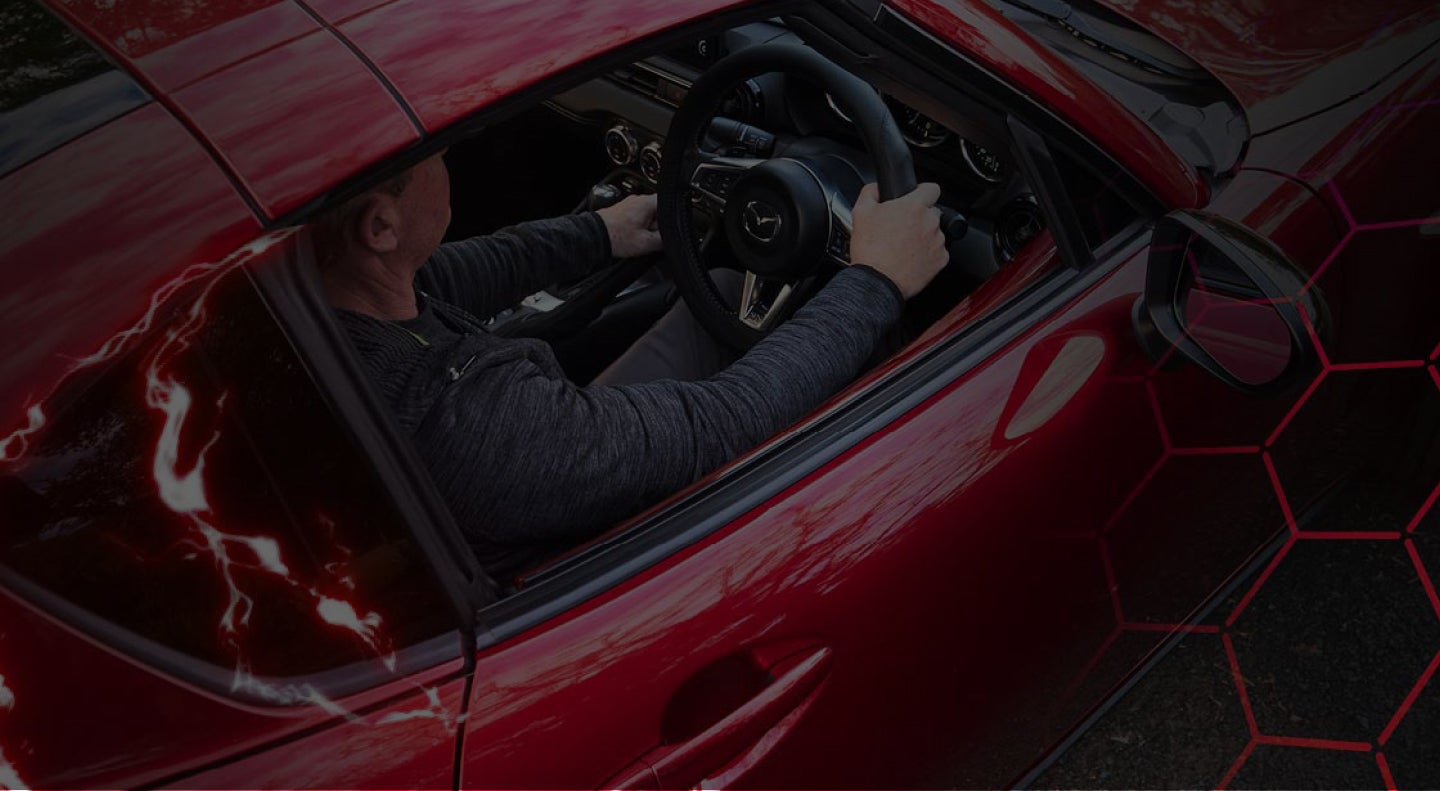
[531, 463]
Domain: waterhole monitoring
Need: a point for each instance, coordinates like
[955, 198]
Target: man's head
[398, 223]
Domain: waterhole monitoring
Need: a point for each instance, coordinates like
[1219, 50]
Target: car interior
[596, 142]
[719, 119]
[605, 139]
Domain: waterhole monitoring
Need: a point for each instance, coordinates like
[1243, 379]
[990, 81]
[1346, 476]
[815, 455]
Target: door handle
[739, 738]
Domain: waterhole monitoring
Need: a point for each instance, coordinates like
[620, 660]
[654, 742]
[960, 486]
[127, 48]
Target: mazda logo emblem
[761, 221]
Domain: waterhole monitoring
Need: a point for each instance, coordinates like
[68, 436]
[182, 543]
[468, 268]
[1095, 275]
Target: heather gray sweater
[530, 462]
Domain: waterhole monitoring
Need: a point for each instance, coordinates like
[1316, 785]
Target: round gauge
[921, 130]
[982, 163]
[835, 108]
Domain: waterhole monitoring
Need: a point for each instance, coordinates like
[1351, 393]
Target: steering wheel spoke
[762, 300]
[715, 176]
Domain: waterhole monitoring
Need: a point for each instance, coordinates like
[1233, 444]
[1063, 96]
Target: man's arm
[524, 456]
[486, 274]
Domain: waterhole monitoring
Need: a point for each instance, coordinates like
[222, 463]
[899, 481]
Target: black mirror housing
[1227, 299]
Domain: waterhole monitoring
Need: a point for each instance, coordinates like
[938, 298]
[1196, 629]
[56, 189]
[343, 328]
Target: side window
[1100, 205]
[187, 484]
[53, 86]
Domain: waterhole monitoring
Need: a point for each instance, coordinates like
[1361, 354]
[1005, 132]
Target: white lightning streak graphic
[9, 778]
[435, 711]
[183, 492]
[15, 445]
[287, 694]
[191, 274]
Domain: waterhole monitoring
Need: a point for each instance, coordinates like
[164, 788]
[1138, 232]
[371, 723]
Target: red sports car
[1187, 311]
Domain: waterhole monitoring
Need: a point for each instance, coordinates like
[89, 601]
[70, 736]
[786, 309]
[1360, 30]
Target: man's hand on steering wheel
[900, 238]
[786, 214]
[631, 225]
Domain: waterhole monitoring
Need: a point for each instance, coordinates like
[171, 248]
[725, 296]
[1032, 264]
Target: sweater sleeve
[526, 456]
[486, 274]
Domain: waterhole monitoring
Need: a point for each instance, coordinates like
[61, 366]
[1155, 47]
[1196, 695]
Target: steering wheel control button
[620, 145]
[839, 246]
[717, 182]
[741, 139]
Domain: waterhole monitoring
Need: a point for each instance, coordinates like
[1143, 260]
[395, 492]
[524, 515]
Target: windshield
[1174, 95]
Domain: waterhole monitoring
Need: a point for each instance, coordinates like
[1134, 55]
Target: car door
[905, 591]
[937, 577]
[926, 584]
[885, 619]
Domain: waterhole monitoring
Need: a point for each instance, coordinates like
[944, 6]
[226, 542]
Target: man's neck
[372, 287]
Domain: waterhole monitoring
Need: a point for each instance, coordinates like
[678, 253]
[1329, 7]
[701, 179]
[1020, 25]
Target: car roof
[372, 77]
[369, 78]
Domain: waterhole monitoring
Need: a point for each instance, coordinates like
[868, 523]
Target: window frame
[852, 36]
[820, 438]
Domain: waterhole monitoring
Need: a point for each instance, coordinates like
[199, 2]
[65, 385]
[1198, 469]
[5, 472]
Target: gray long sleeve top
[529, 461]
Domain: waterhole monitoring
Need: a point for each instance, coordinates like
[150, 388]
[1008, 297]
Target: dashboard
[630, 108]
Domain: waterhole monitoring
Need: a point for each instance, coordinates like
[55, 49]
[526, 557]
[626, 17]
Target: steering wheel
[783, 216]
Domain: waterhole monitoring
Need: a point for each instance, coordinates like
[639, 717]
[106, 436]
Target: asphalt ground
[1317, 670]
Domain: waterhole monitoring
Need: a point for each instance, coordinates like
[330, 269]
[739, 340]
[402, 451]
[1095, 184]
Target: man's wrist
[882, 277]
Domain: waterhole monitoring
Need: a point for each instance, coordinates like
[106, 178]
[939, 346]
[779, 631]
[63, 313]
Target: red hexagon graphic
[1379, 286]
[1196, 521]
[1346, 610]
[1388, 190]
[1284, 766]
[1156, 741]
[1351, 452]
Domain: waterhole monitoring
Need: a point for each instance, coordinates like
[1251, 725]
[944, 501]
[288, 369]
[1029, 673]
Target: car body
[929, 582]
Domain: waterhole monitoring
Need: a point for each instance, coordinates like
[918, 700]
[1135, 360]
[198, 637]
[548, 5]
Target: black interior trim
[1051, 193]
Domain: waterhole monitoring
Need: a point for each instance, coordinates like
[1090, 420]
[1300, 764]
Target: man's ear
[377, 224]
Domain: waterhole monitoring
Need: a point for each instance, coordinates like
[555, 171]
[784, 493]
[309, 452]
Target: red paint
[131, 726]
[133, 187]
[450, 57]
[1385, 775]
[139, 28]
[251, 111]
[242, 72]
[952, 590]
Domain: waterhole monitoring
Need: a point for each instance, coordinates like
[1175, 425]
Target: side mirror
[1227, 299]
